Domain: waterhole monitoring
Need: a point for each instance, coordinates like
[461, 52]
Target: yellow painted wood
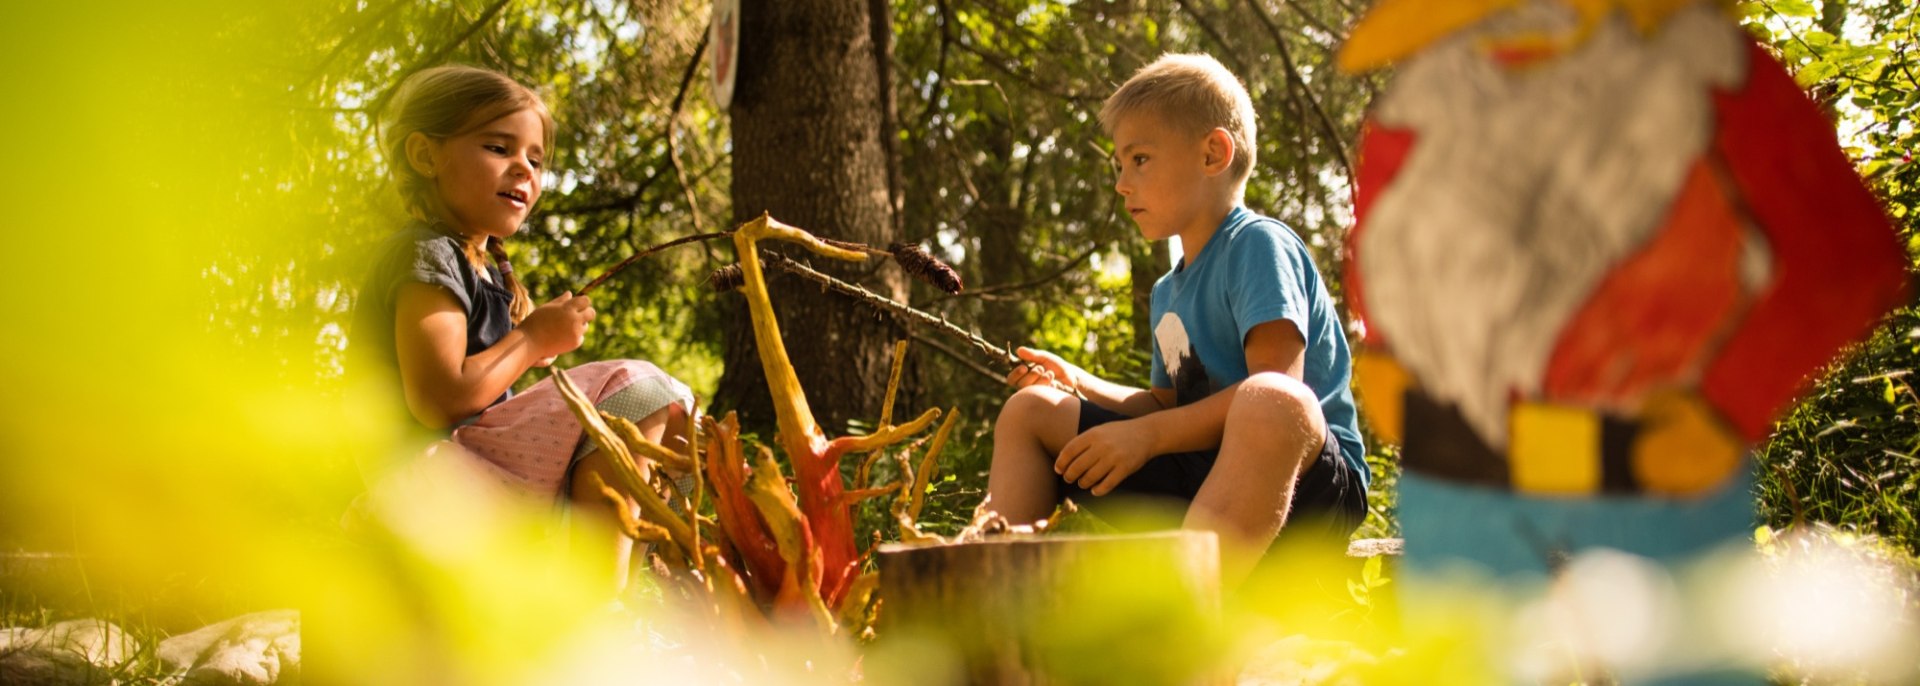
[799, 434]
[1683, 448]
[1554, 449]
[1382, 384]
[1396, 29]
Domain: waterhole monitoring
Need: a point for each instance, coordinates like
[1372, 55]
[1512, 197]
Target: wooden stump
[1062, 609]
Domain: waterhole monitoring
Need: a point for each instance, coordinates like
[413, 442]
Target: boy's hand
[1105, 455]
[560, 325]
[1045, 368]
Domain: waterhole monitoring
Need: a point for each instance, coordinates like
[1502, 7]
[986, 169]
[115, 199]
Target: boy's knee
[1032, 402]
[1278, 400]
[1033, 398]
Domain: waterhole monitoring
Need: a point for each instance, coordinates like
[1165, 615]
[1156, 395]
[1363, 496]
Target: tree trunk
[807, 117]
[1019, 610]
[1833, 20]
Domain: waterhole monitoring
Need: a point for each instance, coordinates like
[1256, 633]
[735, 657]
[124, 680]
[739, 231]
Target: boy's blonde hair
[1193, 94]
[447, 101]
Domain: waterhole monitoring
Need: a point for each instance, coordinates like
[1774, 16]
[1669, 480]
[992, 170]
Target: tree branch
[1057, 273]
[631, 200]
[939, 68]
[673, 125]
[1294, 80]
[486, 17]
[1351, 10]
[887, 305]
[373, 22]
[1226, 48]
[624, 202]
[649, 251]
[995, 61]
[1338, 36]
[880, 32]
[955, 355]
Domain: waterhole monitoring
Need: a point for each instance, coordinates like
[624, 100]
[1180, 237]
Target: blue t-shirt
[1254, 270]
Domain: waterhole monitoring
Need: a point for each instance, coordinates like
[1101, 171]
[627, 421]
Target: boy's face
[1162, 175]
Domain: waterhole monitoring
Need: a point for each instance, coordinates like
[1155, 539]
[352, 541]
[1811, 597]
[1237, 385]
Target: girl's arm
[445, 385]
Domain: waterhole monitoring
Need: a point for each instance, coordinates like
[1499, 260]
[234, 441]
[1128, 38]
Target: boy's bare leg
[593, 530]
[1273, 429]
[1033, 425]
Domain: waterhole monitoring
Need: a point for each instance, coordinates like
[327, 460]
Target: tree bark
[1002, 604]
[1833, 20]
[807, 117]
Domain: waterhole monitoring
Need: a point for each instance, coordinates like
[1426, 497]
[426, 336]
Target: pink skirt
[533, 439]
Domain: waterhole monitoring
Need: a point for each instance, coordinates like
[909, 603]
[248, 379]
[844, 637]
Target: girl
[445, 318]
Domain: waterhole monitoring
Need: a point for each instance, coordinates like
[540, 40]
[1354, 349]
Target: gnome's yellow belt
[1552, 450]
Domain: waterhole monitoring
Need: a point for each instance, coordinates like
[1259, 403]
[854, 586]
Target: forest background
[196, 186]
[991, 158]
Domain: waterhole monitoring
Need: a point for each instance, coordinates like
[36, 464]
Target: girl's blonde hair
[1193, 94]
[448, 101]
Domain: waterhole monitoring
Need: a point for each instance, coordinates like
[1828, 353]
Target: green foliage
[206, 214]
[1846, 455]
[609, 72]
[1382, 521]
[1098, 334]
[1009, 174]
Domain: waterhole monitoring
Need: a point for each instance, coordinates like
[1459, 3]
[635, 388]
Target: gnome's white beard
[1523, 188]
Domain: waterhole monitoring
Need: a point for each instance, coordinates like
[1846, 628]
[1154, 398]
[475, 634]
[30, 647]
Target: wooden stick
[956, 356]
[851, 290]
[924, 475]
[880, 301]
[884, 303]
[893, 382]
[595, 283]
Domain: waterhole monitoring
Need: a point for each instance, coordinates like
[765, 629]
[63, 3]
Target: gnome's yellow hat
[1394, 29]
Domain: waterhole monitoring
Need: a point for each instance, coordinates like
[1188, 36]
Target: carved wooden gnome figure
[1601, 245]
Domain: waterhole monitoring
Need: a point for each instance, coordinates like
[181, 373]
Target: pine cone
[728, 278]
[924, 266]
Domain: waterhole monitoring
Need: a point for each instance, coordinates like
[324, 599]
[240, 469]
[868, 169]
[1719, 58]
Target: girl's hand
[1044, 368]
[559, 326]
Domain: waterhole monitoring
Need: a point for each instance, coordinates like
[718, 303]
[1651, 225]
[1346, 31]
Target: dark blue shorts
[1328, 500]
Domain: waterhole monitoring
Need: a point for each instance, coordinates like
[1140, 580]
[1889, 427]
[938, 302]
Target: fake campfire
[770, 550]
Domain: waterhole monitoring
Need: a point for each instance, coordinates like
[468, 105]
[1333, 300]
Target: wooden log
[1061, 609]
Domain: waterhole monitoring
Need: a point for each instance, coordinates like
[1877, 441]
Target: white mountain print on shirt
[1189, 376]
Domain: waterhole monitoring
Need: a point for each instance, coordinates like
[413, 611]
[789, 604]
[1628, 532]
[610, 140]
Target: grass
[25, 607]
[1849, 454]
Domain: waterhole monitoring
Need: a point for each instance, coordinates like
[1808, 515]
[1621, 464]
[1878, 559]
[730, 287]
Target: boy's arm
[1126, 400]
[1103, 456]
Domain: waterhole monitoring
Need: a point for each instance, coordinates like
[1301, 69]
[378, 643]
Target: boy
[1250, 412]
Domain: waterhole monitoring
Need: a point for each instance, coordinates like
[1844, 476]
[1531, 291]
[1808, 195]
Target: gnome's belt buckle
[1552, 450]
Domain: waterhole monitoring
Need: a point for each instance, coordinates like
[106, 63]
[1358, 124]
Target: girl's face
[488, 178]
